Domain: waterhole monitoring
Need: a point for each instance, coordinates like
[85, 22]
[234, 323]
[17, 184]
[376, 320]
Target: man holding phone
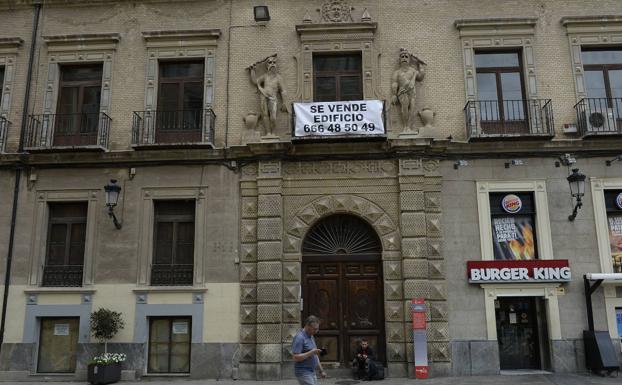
[306, 353]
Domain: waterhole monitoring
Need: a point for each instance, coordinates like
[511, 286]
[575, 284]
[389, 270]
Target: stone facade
[257, 197]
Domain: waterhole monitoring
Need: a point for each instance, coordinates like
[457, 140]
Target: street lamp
[261, 13]
[112, 190]
[576, 180]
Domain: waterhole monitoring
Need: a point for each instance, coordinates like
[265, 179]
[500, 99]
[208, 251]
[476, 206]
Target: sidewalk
[533, 379]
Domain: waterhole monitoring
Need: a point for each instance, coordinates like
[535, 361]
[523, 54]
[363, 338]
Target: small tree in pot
[105, 368]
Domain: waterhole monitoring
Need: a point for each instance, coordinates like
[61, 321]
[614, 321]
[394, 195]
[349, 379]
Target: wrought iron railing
[62, 275]
[4, 131]
[599, 116]
[172, 275]
[509, 118]
[48, 131]
[173, 127]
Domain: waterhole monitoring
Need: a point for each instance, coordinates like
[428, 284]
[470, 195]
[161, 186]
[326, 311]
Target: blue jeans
[307, 378]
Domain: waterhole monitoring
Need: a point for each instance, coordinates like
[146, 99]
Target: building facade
[335, 158]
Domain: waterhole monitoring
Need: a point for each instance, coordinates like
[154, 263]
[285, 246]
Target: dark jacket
[369, 351]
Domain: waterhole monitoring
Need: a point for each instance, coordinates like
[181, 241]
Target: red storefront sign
[420, 339]
[535, 270]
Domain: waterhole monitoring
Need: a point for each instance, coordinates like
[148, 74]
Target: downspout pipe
[18, 169]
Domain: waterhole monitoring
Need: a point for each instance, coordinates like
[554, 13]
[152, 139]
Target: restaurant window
[603, 77]
[169, 344]
[513, 225]
[173, 259]
[613, 205]
[65, 244]
[77, 118]
[180, 101]
[337, 77]
[500, 90]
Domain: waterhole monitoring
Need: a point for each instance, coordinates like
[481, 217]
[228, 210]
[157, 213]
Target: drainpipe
[18, 168]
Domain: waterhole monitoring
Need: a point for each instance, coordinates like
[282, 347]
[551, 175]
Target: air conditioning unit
[601, 121]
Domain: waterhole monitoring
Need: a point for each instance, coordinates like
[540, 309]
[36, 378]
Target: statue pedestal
[408, 134]
[270, 138]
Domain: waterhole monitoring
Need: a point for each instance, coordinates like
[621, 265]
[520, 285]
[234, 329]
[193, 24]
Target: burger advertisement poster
[513, 234]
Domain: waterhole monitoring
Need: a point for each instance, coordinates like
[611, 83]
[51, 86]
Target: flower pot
[99, 374]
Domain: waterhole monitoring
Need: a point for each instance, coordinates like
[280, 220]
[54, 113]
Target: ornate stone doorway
[342, 283]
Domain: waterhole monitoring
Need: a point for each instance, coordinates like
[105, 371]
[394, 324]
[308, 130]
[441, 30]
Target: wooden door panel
[362, 311]
[323, 301]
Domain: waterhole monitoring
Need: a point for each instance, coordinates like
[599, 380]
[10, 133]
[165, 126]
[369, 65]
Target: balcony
[4, 130]
[82, 131]
[509, 119]
[173, 128]
[62, 276]
[172, 275]
[599, 116]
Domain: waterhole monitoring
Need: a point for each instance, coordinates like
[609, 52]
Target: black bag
[378, 373]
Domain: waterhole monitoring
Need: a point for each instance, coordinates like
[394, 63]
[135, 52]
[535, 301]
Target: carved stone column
[270, 288]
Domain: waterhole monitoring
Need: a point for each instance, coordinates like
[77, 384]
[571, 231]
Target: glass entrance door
[518, 332]
[169, 344]
[58, 343]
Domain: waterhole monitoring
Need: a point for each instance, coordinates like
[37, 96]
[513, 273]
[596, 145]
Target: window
[500, 91]
[77, 116]
[603, 78]
[613, 205]
[173, 260]
[337, 77]
[1, 81]
[65, 244]
[169, 344]
[513, 225]
[180, 102]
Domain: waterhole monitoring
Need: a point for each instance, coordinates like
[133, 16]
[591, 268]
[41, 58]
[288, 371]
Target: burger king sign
[511, 203]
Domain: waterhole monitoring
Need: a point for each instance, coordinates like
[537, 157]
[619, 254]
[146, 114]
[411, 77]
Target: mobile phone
[323, 351]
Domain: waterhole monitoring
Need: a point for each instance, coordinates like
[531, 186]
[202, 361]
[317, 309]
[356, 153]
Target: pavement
[531, 379]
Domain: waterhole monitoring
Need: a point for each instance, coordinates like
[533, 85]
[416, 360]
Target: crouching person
[363, 365]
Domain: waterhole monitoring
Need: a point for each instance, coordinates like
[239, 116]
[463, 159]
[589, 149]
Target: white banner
[351, 118]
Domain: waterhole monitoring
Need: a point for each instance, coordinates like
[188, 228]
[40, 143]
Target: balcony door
[77, 118]
[337, 77]
[500, 92]
[180, 114]
[603, 84]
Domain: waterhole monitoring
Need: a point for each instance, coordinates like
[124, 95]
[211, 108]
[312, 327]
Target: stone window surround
[9, 48]
[146, 228]
[599, 185]
[338, 38]
[543, 226]
[40, 225]
[595, 31]
[180, 45]
[77, 49]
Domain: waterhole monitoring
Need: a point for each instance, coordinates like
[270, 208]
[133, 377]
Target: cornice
[496, 26]
[592, 24]
[182, 38]
[82, 41]
[324, 30]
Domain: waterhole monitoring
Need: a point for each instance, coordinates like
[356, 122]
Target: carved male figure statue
[270, 86]
[403, 81]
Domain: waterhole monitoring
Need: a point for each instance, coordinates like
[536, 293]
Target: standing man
[306, 353]
[270, 86]
[410, 71]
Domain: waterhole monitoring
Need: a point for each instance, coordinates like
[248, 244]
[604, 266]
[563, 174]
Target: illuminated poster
[615, 240]
[513, 237]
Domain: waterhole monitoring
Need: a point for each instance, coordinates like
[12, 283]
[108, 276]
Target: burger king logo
[619, 200]
[512, 203]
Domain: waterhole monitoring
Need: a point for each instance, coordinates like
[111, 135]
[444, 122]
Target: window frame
[544, 245]
[604, 68]
[338, 75]
[70, 221]
[170, 319]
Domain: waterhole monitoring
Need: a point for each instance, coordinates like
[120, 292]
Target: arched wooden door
[342, 284]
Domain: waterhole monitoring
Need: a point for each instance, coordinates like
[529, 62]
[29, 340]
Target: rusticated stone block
[438, 310]
[247, 353]
[269, 229]
[394, 311]
[248, 230]
[291, 244]
[268, 352]
[269, 251]
[286, 354]
[248, 272]
[438, 290]
[385, 225]
[291, 271]
[414, 248]
[391, 241]
[248, 252]
[297, 227]
[432, 201]
[392, 270]
[437, 269]
[248, 314]
[433, 225]
[395, 331]
[270, 205]
[269, 292]
[291, 312]
[248, 333]
[435, 249]
[413, 224]
[289, 331]
[396, 352]
[248, 293]
[268, 333]
[291, 292]
[392, 290]
[269, 271]
[412, 201]
[439, 351]
[437, 331]
[415, 268]
[416, 288]
[269, 313]
[249, 207]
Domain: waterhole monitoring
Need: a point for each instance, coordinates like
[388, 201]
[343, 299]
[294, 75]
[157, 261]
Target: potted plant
[105, 368]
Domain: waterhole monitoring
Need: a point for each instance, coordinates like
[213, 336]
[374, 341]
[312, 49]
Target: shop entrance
[58, 343]
[522, 333]
[342, 285]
